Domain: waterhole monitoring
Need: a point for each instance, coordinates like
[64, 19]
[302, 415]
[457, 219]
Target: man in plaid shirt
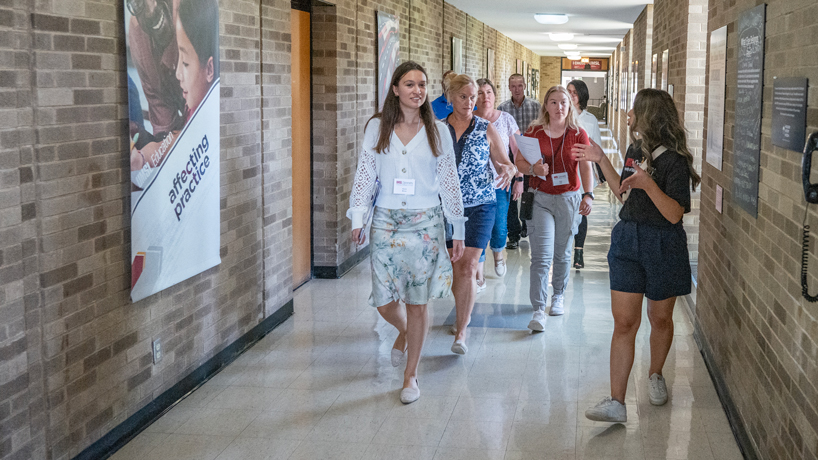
[524, 110]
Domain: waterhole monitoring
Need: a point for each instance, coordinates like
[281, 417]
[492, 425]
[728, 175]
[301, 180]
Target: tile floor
[321, 386]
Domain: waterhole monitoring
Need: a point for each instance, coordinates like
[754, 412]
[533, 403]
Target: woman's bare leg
[396, 316]
[417, 322]
[660, 315]
[627, 313]
[463, 288]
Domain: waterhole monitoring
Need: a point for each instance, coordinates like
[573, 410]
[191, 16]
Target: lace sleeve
[362, 188]
[450, 192]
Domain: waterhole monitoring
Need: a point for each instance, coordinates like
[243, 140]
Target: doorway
[301, 147]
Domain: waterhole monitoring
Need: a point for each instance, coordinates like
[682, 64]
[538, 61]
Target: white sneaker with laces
[537, 323]
[608, 410]
[556, 306]
[481, 285]
[657, 389]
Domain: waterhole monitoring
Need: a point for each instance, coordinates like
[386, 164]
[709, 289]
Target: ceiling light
[573, 54]
[567, 46]
[561, 37]
[547, 18]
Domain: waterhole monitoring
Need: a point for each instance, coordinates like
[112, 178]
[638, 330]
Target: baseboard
[133, 425]
[332, 273]
[736, 424]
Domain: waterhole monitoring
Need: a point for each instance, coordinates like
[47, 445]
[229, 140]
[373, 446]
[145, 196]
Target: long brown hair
[392, 114]
[656, 123]
[545, 118]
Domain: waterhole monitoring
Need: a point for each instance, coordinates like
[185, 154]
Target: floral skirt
[408, 255]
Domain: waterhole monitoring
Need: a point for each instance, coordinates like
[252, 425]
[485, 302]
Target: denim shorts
[649, 259]
[478, 227]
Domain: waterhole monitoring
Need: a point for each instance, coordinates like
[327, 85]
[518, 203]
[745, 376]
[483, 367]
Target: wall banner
[715, 98]
[173, 100]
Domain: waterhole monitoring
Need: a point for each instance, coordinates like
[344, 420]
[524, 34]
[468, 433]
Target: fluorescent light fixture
[573, 54]
[563, 37]
[549, 18]
[567, 46]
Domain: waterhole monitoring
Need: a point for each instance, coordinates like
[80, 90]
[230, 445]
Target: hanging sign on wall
[173, 102]
[747, 133]
[790, 113]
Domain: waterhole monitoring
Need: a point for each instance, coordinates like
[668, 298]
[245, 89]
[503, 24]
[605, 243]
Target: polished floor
[321, 385]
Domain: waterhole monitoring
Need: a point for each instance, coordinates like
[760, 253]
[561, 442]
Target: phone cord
[804, 259]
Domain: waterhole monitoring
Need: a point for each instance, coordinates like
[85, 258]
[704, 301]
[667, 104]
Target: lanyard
[553, 156]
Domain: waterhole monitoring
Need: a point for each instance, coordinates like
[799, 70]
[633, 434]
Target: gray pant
[550, 232]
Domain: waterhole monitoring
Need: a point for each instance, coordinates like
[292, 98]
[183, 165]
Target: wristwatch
[517, 179]
[590, 194]
[531, 170]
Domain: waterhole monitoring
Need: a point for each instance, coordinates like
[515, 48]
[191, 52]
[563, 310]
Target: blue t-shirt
[441, 107]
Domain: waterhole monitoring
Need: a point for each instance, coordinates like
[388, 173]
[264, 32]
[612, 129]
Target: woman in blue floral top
[476, 142]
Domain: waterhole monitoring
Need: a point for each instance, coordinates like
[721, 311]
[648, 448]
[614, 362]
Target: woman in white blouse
[412, 156]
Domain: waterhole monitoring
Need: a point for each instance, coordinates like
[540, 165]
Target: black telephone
[811, 196]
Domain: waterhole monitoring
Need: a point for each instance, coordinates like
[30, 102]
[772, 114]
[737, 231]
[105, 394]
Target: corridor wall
[761, 333]
[75, 353]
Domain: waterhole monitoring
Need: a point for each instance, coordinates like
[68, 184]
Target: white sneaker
[481, 286]
[537, 323]
[608, 410]
[657, 389]
[556, 306]
[500, 267]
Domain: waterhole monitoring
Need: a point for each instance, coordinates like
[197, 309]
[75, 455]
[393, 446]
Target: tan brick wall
[78, 350]
[763, 334]
[550, 73]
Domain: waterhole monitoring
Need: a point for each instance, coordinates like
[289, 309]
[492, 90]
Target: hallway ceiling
[598, 25]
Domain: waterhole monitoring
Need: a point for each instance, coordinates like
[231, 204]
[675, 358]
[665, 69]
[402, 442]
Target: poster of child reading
[173, 101]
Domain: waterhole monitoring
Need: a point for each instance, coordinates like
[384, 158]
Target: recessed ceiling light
[573, 53]
[548, 18]
[561, 37]
[567, 46]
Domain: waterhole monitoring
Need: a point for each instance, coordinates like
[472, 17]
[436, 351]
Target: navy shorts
[649, 259]
[478, 227]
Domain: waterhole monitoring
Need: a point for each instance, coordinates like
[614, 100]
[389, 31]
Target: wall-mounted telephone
[811, 196]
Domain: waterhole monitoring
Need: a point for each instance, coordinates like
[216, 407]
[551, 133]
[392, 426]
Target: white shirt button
[404, 169]
[403, 204]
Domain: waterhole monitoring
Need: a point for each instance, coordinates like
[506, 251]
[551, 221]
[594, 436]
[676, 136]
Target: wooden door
[302, 232]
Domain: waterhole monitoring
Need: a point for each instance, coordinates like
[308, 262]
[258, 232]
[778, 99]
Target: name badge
[560, 178]
[404, 187]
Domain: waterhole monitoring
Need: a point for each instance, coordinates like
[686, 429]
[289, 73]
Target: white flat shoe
[500, 267]
[459, 347]
[398, 357]
[453, 329]
[410, 395]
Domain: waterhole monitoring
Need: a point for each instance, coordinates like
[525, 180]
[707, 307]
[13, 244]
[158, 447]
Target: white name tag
[560, 178]
[404, 187]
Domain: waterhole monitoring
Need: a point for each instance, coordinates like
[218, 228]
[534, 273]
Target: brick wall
[550, 73]
[76, 357]
[762, 333]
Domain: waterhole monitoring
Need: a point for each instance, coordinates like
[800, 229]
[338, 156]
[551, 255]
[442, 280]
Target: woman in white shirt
[412, 156]
[587, 121]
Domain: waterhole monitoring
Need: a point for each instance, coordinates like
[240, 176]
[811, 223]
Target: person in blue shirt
[441, 106]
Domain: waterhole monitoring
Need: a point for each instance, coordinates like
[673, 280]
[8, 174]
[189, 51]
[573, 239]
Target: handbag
[527, 205]
[370, 212]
